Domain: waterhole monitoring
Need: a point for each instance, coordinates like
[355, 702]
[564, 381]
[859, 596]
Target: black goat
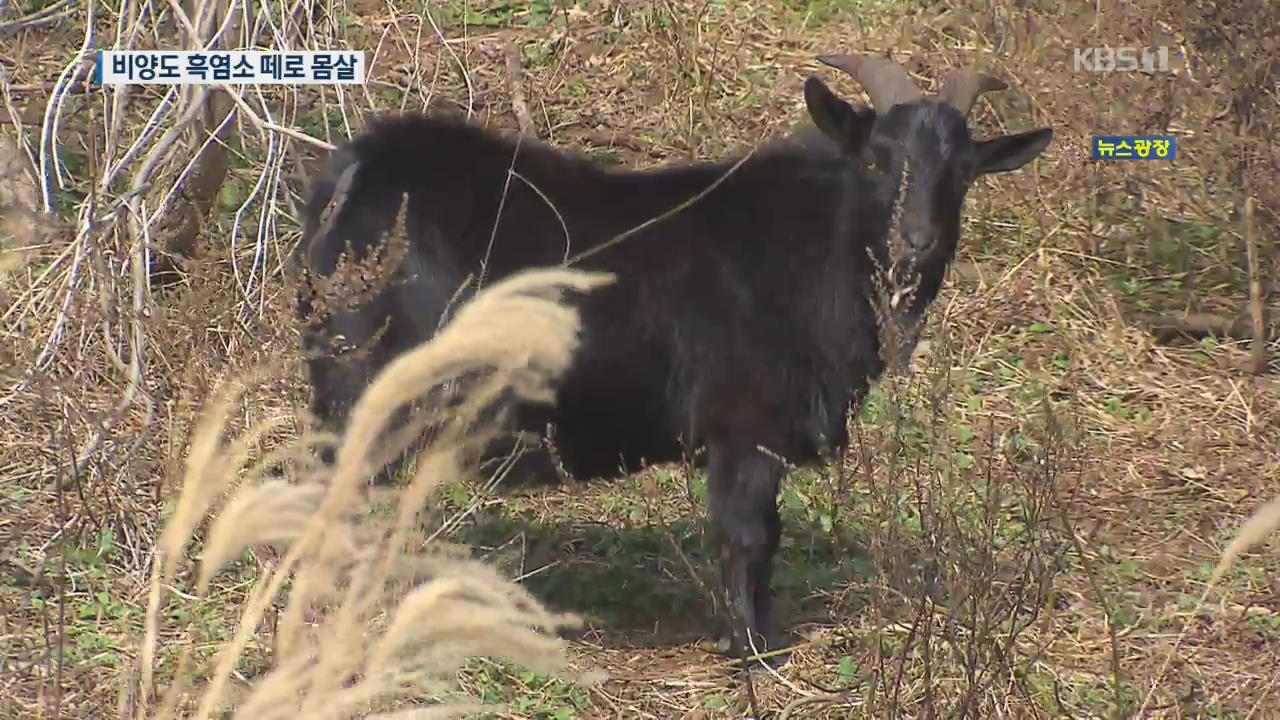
[745, 323]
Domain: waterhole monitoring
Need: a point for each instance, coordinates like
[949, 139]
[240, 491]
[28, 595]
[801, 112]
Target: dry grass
[339, 553]
[1027, 527]
[18, 230]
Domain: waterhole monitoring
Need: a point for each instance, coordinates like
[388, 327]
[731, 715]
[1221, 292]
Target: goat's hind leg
[742, 494]
[519, 452]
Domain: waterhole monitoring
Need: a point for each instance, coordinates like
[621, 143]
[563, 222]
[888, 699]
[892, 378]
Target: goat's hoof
[725, 645]
[774, 662]
[776, 654]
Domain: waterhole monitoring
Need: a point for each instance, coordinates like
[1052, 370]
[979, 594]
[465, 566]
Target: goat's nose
[916, 239]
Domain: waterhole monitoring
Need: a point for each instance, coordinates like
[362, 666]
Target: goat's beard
[904, 317]
[900, 339]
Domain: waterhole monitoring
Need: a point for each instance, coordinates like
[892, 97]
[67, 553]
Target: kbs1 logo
[1122, 59]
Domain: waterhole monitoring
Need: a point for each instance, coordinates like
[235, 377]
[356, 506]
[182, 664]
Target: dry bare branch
[1257, 305]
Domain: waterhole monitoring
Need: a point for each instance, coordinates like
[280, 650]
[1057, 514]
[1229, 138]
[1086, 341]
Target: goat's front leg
[343, 355]
[742, 497]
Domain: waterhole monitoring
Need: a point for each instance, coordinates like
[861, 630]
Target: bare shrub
[397, 614]
[968, 524]
[967, 546]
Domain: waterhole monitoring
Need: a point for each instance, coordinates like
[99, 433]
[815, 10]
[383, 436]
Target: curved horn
[961, 87]
[886, 82]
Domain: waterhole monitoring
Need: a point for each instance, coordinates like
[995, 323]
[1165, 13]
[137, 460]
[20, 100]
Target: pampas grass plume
[398, 613]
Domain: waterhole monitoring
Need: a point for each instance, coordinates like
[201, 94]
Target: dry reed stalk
[402, 614]
[1264, 521]
[1257, 305]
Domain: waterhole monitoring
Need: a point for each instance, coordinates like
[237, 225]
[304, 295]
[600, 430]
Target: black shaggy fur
[743, 324]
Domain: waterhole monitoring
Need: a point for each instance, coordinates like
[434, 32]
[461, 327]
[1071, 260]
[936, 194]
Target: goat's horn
[961, 87]
[886, 82]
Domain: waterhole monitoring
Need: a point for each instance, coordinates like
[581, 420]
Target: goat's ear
[837, 119]
[1010, 152]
